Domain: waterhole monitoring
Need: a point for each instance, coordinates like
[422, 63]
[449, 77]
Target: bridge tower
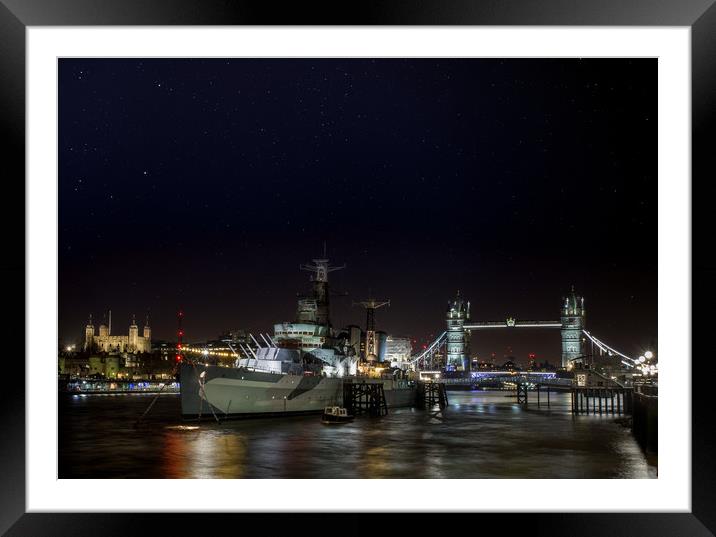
[458, 312]
[573, 318]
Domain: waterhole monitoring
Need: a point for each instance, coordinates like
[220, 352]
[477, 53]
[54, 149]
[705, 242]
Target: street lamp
[648, 355]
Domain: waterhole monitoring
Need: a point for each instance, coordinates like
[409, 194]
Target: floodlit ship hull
[239, 392]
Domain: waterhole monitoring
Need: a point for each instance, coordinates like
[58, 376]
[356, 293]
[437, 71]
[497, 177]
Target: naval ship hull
[240, 393]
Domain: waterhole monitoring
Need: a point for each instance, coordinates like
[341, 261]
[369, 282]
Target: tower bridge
[459, 327]
[455, 339]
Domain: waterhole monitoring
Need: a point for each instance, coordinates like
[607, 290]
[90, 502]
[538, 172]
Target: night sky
[203, 184]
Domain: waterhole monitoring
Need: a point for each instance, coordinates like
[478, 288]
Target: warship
[300, 369]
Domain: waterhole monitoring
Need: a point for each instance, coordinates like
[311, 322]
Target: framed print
[273, 256]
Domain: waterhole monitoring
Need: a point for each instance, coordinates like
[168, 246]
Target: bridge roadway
[511, 323]
[532, 377]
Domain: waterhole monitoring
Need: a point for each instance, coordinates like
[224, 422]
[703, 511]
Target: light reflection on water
[480, 435]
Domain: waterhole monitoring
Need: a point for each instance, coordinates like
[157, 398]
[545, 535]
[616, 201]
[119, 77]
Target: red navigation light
[181, 314]
[178, 345]
[178, 357]
[181, 332]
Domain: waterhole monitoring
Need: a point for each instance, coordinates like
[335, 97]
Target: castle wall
[121, 344]
[111, 343]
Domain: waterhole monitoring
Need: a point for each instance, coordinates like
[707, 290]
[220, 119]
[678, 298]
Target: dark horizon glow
[204, 183]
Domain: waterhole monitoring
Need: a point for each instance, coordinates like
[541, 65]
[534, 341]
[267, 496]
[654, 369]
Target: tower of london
[106, 342]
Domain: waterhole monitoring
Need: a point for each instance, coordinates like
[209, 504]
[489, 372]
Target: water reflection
[479, 435]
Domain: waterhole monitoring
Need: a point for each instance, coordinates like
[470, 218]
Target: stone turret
[133, 341]
[89, 334]
[147, 330]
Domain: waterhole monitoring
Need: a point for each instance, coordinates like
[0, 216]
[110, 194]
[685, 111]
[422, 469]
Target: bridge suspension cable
[609, 350]
[442, 338]
[434, 346]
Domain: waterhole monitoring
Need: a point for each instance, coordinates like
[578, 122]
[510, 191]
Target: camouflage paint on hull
[238, 392]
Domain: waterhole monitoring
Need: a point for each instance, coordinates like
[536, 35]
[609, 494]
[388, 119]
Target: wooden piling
[601, 400]
[431, 394]
[365, 398]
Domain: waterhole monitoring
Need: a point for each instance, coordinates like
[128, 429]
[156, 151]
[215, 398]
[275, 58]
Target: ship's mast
[370, 305]
[319, 269]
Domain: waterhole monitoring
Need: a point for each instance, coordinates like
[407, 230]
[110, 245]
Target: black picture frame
[17, 15]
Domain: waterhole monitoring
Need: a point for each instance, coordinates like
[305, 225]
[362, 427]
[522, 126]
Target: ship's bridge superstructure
[308, 342]
[312, 326]
[307, 336]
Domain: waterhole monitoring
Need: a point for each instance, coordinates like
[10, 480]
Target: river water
[481, 434]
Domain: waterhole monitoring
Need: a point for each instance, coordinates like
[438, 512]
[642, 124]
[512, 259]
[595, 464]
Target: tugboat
[335, 414]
